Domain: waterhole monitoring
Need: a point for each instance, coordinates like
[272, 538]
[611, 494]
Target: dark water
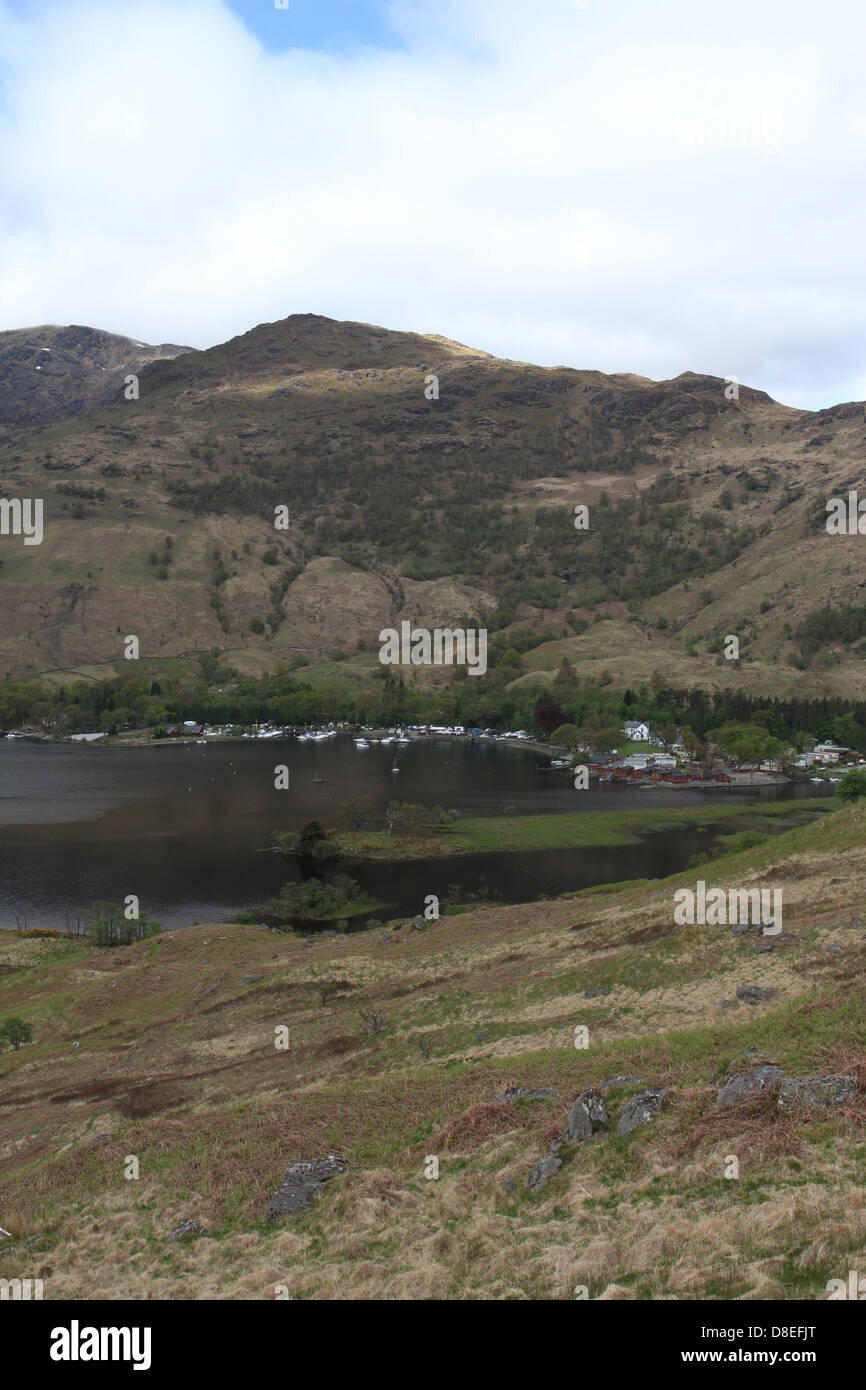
[183, 827]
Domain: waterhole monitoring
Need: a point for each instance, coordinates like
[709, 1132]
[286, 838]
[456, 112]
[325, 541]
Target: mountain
[436, 500]
[51, 373]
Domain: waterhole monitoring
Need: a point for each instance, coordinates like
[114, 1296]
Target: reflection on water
[183, 827]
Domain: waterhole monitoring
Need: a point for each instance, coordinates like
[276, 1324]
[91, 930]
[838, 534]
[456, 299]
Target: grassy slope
[177, 1065]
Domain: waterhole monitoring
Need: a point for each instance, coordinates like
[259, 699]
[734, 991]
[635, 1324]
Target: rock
[188, 1229]
[834, 950]
[856, 921]
[765, 949]
[302, 1182]
[374, 1023]
[640, 1109]
[834, 1089]
[586, 1117]
[740, 928]
[542, 1171]
[419, 923]
[620, 1081]
[508, 1185]
[729, 1003]
[753, 994]
[512, 1093]
[755, 1079]
[250, 979]
[595, 992]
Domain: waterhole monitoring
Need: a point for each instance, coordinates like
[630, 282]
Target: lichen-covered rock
[302, 1182]
[187, 1229]
[542, 1171]
[753, 994]
[586, 1117]
[640, 1109]
[834, 1089]
[512, 1093]
[755, 1079]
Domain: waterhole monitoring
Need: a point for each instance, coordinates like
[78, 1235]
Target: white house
[829, 752]
[636, 730]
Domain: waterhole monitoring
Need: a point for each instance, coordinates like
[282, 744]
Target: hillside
[706, 516]
[165, 1051]
[51, 373]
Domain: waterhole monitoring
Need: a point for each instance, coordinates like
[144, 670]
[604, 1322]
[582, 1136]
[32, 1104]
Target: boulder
[512, 1093]
[188, 1229]
[595, 992]
[755, 1079]
[302, 1182]
[834, 1089]
[753, 994]
[542, 1171]
[586, 1117]
[640, 1110]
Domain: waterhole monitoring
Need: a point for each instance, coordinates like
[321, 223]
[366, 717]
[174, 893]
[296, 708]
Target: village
[675, 767]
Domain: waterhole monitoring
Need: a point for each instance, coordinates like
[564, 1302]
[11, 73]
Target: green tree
[852, 785]
[357, 813]
[15, 1032]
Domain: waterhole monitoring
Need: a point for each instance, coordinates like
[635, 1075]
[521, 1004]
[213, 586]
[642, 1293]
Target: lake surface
[183, 826]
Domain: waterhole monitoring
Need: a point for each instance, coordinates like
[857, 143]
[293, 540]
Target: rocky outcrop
[755, 1079]
[753, 994]
[794, 1091]
[512, 1093]
[301, 1183]
[640, 1109]
[188, 1229]
[833, 1089]
[586, 1118]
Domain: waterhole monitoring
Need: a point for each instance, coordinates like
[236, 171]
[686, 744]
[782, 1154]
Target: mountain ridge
[435, 509]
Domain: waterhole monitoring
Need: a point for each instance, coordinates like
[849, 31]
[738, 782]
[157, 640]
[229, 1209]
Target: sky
[649, 186]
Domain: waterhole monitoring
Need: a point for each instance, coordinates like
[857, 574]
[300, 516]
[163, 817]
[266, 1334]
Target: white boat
[361, 743]
[395, 768]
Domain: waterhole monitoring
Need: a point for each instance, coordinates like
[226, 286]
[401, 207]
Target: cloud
[632, 187]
